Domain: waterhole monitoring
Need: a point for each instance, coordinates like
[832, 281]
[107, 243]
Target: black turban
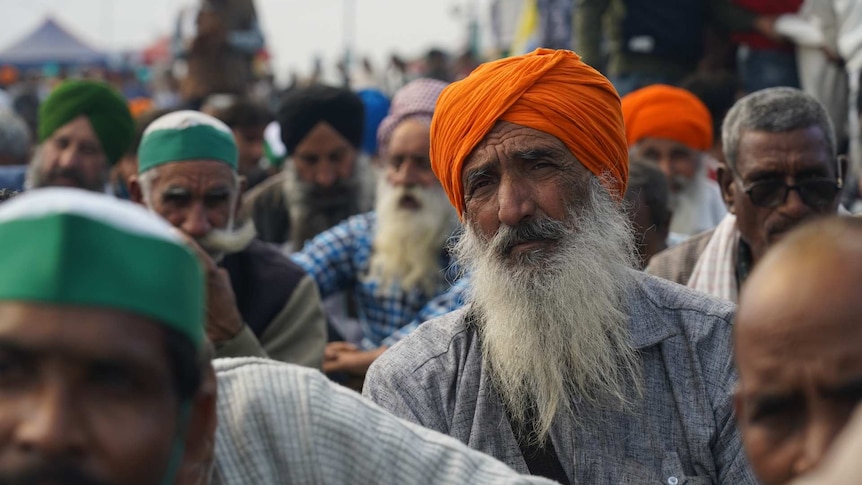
[303, 108]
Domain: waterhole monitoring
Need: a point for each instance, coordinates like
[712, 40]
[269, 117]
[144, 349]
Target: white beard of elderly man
[414, 221]
[565, 362]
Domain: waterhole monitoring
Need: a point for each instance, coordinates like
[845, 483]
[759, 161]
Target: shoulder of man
[677, 263]
[263, 418]
[266, 205]
[415, 378]
[269, 189]
[662, 311]
[271, 267]
[440, 338]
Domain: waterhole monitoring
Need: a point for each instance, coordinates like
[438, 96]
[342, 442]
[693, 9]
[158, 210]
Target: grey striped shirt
[284, 424]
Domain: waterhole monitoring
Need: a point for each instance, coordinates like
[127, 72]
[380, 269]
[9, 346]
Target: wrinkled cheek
[136, 453]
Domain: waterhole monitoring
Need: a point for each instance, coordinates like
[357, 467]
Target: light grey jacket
[282, 424]
[681, 432]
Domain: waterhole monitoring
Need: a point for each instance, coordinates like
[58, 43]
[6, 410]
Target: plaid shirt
[338, 259]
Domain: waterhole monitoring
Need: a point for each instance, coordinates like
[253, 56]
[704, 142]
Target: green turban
[101, 104]
[72, 247]
[186, 136]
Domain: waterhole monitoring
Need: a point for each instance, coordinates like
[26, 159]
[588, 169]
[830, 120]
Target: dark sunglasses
[815, 193]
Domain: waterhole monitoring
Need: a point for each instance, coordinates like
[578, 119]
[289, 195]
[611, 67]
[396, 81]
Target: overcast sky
[296, 30]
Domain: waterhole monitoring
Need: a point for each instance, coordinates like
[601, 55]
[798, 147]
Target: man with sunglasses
[781, 169]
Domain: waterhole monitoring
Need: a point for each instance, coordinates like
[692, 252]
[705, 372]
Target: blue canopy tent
[51, 44]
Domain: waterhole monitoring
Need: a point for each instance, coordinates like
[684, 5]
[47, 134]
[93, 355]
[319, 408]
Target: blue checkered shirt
[338, 259]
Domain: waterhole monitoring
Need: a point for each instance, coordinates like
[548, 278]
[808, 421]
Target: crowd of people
[536, 273]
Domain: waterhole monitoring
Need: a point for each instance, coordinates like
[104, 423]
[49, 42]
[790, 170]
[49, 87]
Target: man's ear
[136, 195]
[200, 435]
[727, 186]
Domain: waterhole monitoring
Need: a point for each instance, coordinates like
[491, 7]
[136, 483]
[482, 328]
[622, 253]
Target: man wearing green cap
[104, 376]
[268, 306]
[84, 128]
[103, 373]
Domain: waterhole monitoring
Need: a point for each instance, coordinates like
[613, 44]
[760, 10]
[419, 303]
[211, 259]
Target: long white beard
[408, 243]
[553, 323]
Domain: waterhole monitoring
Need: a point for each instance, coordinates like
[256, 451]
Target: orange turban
[661, 111]
[548, 90]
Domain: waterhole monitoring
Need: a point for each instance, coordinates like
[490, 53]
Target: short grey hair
[774, 110]
[14, 137]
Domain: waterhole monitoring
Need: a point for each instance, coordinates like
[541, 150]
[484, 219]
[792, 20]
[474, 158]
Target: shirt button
[672, 481]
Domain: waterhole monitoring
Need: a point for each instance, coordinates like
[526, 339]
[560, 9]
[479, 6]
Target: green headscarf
[101, 104]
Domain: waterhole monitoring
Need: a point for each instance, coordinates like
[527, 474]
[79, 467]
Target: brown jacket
[677, 263]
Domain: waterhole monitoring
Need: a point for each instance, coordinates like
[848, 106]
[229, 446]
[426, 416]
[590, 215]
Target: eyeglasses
[816, 193]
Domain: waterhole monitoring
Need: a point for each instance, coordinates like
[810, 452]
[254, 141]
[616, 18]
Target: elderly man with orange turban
[564, 362]
[672, 128]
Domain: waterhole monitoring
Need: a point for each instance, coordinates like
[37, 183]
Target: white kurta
[285, 424]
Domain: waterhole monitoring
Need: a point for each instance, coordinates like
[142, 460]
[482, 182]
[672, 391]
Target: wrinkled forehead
[797, 150]
[196, 174]
[507, 141]
[81, 333]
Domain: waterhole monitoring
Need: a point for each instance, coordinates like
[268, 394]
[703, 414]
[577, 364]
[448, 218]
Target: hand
[223, 319]
[346, 357]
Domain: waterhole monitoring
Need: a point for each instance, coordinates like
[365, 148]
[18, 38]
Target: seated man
[671, 128]
[781, 169]
[325, 178]
[187, 166]
[647, 203]
[85, 127]
[395, 258]
[108, 379]
[565, 362]
[105, 379]
[797, 348]
[248, 120]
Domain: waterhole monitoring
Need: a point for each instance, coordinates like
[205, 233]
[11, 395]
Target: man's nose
[49, 425]
[407, 174]
[325, 177]
[70, 157]
[817, 439]
[196, 223]
[516, 201]
[794, 207]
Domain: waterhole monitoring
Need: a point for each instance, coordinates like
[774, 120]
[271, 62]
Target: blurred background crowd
[217, 54]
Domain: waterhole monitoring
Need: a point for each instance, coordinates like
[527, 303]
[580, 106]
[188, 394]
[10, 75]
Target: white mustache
[228, 241]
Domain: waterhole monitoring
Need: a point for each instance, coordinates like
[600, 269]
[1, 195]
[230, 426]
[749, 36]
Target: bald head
[798, 340]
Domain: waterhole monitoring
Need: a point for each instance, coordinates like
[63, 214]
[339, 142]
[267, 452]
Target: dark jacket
[280, 306]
